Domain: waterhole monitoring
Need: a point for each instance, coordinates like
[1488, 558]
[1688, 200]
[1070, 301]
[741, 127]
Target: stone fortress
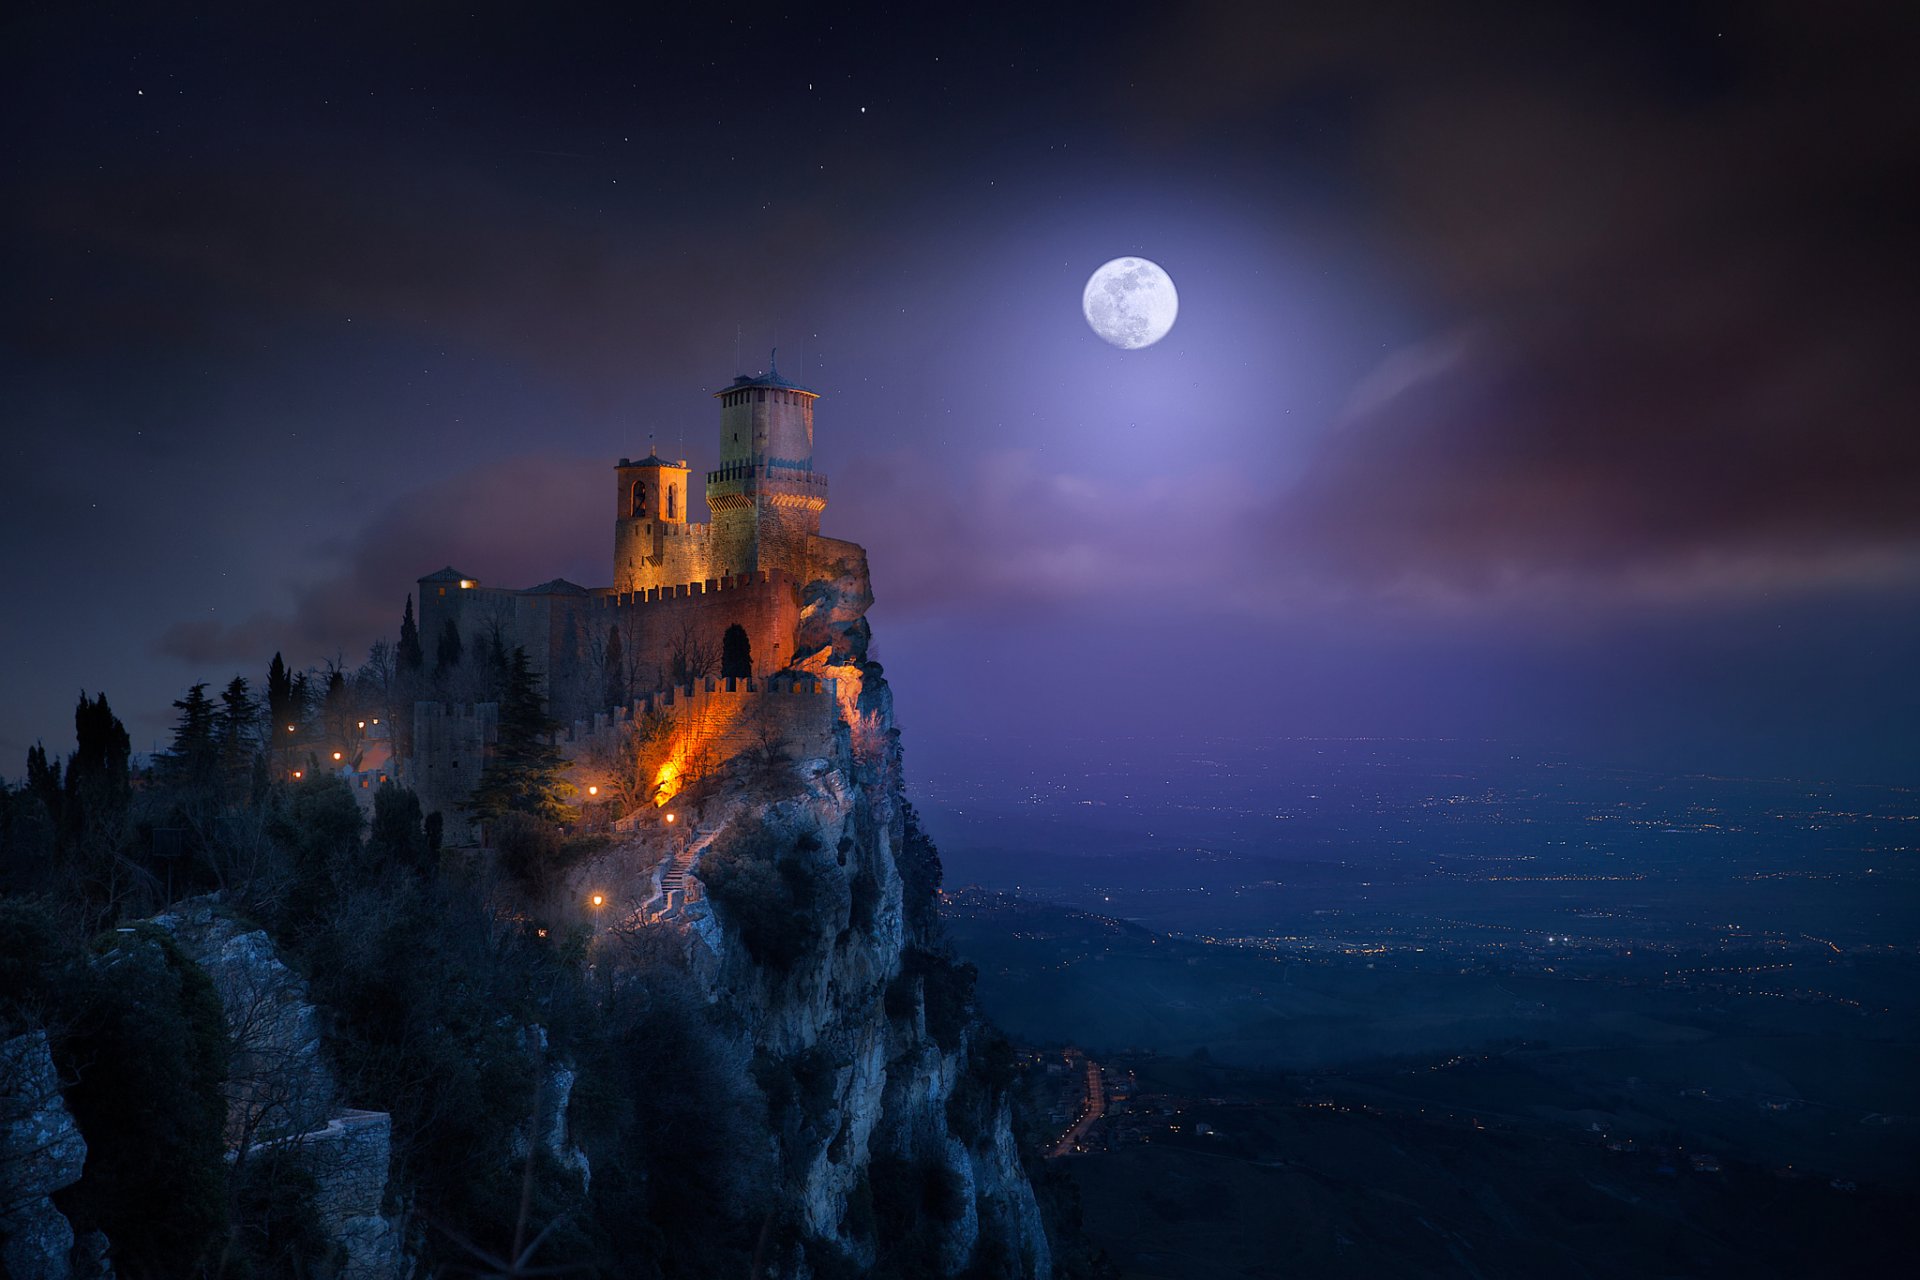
[657, 632]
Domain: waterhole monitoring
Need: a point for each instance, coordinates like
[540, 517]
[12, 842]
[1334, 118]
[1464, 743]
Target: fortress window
[639, 497]
[760, 396]
[673, 494]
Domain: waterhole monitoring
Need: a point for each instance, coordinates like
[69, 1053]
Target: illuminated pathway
[1094, 1108]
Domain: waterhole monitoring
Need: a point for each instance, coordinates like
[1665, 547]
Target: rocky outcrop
[41, 1151]
[281, 1094]
[841, 1016]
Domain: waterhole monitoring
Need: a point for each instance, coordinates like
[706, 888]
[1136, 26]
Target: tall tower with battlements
[766, 498]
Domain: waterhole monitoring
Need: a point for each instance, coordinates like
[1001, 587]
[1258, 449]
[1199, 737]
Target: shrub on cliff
[146, 1047]
[782, 895]
[920, 875]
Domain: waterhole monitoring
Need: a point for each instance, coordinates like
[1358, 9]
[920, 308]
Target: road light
[599, 900]
[336, 755]
[669, 819]
[593, 791]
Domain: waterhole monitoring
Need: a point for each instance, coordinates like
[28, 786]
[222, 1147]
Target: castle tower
[766, 498]
[650, 507]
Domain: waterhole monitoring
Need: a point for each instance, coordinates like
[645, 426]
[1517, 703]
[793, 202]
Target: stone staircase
[673, 878]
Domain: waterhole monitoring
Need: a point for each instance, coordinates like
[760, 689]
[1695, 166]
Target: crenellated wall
[706, 724]
[565, 631]
[701, 726]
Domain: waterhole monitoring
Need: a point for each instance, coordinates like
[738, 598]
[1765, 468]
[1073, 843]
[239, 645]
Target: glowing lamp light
[363, 724]
[669, 818]
[336, 755]
[376, 721]
[599, 900]
[297, 773]
[289, 728]
[542, 932]
[593, 791]
[468, 584]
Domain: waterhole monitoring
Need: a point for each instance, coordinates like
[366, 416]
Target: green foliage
[398, 833]
[146, 1047]
[528, 850]
[277, 1228]
[318, 828]
[616, 692]
[947, 990]
[800, 1095]
[525, 772]
[677, 1134]
[785, 899]
[912, 1200]
[447, 652]
[409, 657]
[920, 876]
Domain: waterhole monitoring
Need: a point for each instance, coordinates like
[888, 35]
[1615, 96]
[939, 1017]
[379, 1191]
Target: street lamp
[669, 819]
[593, 791]
[599, 900]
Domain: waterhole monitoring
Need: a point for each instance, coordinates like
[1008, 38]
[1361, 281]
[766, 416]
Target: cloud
[1665, 265]
[513, 523]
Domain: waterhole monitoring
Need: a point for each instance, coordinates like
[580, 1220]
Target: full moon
[1131, 303]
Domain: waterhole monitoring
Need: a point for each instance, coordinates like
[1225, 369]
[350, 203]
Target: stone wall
[450, 745]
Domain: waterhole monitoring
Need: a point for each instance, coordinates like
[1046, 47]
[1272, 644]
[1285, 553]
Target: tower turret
[650, 504]
[766, 498]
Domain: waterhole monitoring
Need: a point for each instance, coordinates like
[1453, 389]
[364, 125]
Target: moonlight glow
[1131, 302]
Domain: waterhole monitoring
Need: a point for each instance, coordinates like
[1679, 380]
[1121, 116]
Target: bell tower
[766, 498]
[650, 505]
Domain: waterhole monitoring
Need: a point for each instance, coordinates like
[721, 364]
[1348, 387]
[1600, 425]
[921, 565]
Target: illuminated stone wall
[707, 724]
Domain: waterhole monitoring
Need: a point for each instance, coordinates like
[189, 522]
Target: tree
[237, 730]
[616, 664]
[524, 774]
[447, 652]
[192, 763]
[693, 657]
[411, 657]
[736, 654]
[398, 834]
[280, 701]
[99, 782]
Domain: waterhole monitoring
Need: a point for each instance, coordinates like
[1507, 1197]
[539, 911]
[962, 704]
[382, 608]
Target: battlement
[671, 529]
[688, 590]
[691, 697]
[776, 470]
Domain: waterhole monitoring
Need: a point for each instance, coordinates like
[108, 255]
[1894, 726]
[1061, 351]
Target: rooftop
[771, 378]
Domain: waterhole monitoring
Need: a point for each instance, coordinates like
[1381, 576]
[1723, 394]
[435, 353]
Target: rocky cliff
[806, 915]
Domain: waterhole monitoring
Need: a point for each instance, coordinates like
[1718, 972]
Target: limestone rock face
[890, 1081]
[41, 1151]
[281, 1093]
[278, 1082]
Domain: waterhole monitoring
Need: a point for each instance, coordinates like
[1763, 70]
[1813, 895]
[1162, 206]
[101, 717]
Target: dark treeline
[428, 976]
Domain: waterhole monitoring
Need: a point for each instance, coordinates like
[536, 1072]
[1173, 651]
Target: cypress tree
[410, 657]
[99, 783]
[616, 688]
[447, 654]
[280, 696]
[524, 774]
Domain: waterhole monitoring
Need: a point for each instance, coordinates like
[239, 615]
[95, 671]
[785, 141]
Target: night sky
[1543, 373]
